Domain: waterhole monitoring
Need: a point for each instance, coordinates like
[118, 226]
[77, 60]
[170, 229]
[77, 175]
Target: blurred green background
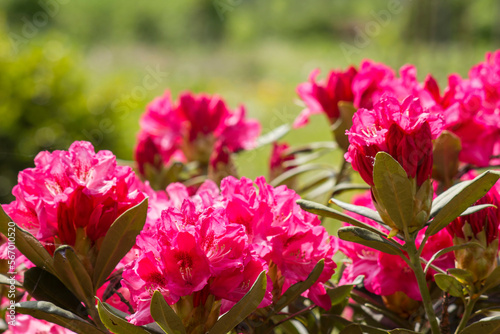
[86, 69]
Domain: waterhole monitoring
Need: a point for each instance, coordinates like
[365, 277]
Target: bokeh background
[85, 69]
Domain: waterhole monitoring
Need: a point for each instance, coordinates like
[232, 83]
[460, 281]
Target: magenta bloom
[386, 274]
[73, 190]
[404, 131]
[216, 244]
[190, 129]
[323, 97]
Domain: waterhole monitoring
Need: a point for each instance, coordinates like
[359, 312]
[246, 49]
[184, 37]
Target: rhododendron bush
[179, 242]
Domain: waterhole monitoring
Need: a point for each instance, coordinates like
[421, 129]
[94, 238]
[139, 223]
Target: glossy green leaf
[27, 244]
[492, 280]
[454, 201]
[119, 239]
[368, 238]
[483, 327]
[72, 273]
[360, 210]
[393, 189]
[47, 311]
[164, 316]
[115, 323]
[243, 308]
[449, 284]
[340, 293]
[46, 287]
[322, 210]
[293, 292]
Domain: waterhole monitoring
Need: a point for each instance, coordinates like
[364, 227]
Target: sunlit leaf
[449, 284]
[164, 316]
[115, 323]
[368, 238]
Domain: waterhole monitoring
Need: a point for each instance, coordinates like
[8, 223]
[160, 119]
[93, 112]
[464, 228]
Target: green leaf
[483, 327]
[340, 293]
[348, 186]
[476, 208]
[26, 243]
[360, 210]
[119, 239]
[402, 331]
[492, 280]
[5, 280]
[47, 311]
[243, 308]
[449, 284]
[46, 287]
[164, 316]
[115, 323]
[393, 189]
[368, 238]
[450, 204]
[72, 273]
[450, 249]
[325, 211]
[462, 275]
[293, 292]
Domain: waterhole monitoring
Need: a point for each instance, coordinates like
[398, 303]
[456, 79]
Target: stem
[422, 285]
[469, 306]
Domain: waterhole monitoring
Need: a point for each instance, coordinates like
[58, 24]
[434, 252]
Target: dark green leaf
[368, 238]
[47, 311]
[164, 316]
[454, 201]
[72, 273]
[298, 288]
[27, 244]
[46, 287]
[243, 308]
[449, 284]
[340, 293]
[360, 210]
[492, 280]
[325, 211]
[119, 239]
[393, 189]
[483, 327]
[115, 323]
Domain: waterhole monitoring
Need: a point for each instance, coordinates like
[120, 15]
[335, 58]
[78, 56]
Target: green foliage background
[69, 68]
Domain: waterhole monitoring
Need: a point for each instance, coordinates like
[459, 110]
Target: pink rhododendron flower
[405, 131]
[190, 129]
[323, 97]
[386, 274]
[26, 324]
[217, 244]
[71, 191]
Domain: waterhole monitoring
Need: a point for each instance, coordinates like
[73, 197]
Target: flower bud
[482, 228]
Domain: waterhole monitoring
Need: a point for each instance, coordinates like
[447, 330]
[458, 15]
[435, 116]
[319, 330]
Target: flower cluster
[194, 128]
[469, 106]
[210, 247]
[405, 131]
[72, 197]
